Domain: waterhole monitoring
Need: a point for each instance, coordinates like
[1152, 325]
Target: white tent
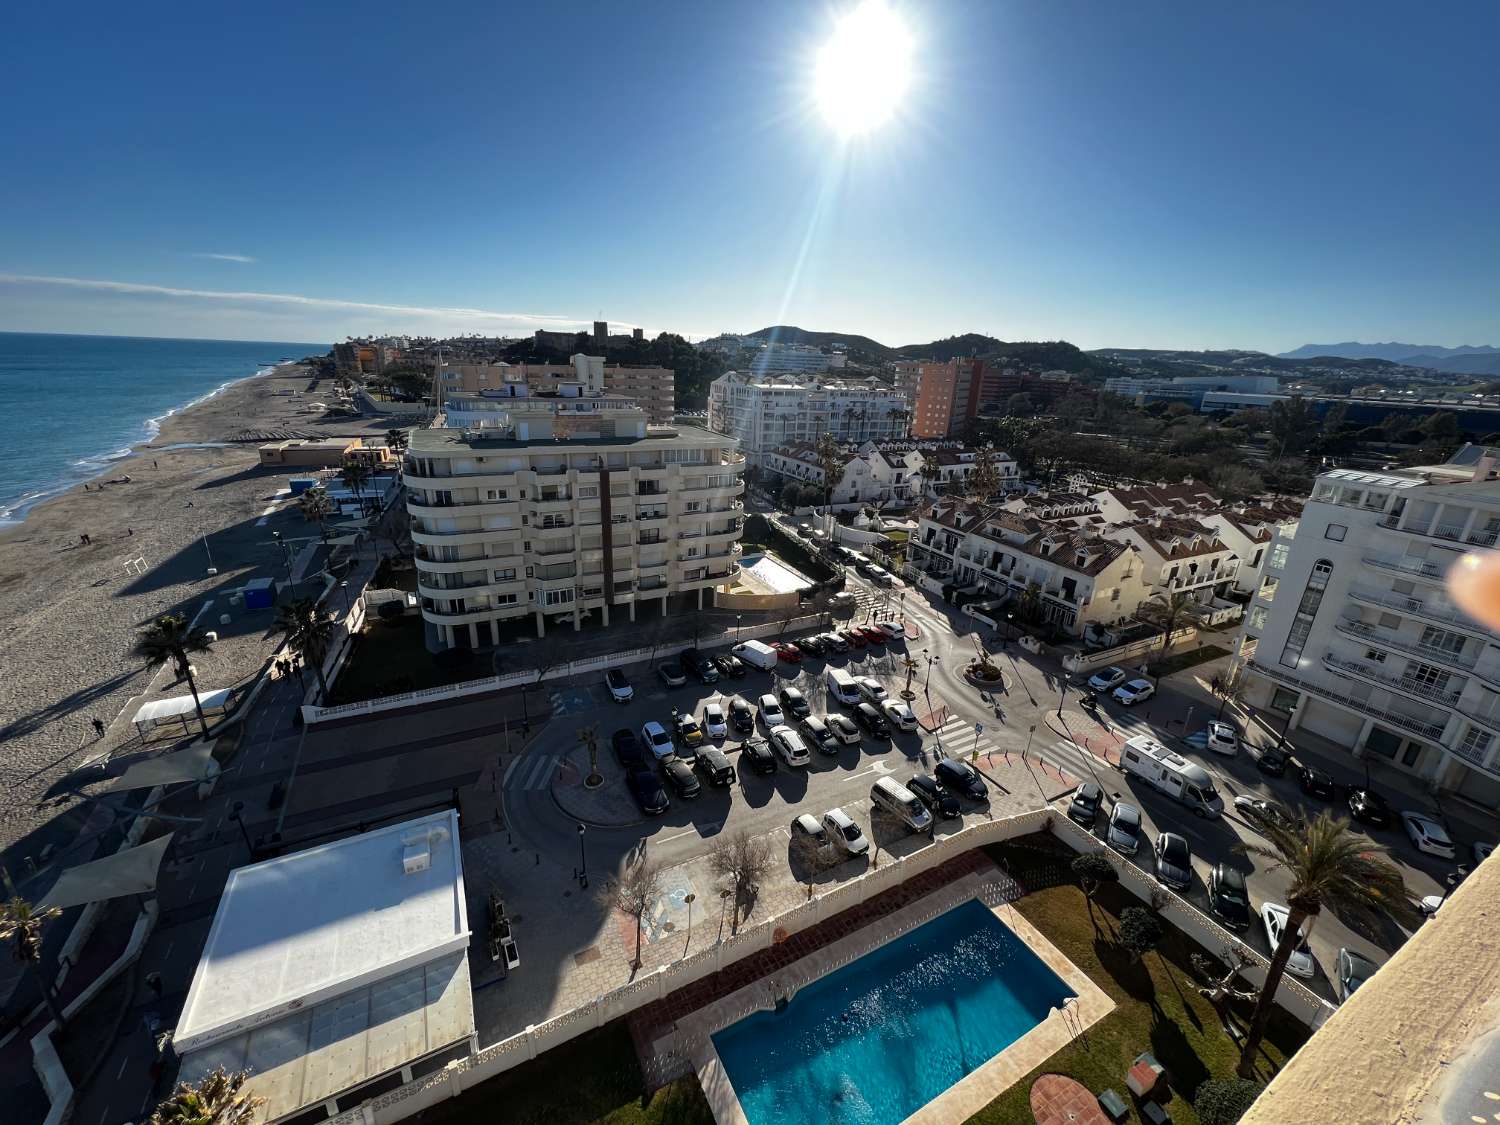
[131, 872]
[196, 763]
[180, 706]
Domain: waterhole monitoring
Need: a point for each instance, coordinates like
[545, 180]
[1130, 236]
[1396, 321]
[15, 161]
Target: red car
[790, 653]
[873, 635]
[855, 638]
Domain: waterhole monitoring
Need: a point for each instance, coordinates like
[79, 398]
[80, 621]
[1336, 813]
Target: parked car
[835, 643]
[853, 639]
[654, 737]
[1274, 917]
[741, 715]
[770, 711]
[757, 752]
[628, 749]
[793, 702]
[1123, 833]
[844, 832]
[816, 731]
[1271, 762]
[1257, 811]
[1353, 969]
[649, 793]
[789, 745]
[716, 766]
[1223, 739]
[671, 675]
[1315, 782]
[809, 839]
[870, 689]
[787, 653]
[1483, 852]
[898, 714]
[1133, 692]
[842, 600]
[866, 715]
[729, 664]
[843, 729]
[1084, 807]
[715, 724]
[961, 778]
[871, 634]
[812, 646]
[1427, 835]
[689, 732]
[1107, 679]
[1228, 897]
[681, 775]
[1369, 807]
[697, 665]
[1174, 862]
[892, 629]
[938, 800]
[619, 687]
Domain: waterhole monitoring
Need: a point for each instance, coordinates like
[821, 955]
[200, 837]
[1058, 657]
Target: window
[554, 521]
[1255, 560]
[558, 597]
[1336, 532]
[506, 575]
[1375, 655]
[1279, 552]
[588, 492]
[1258, 617]
[693, 506]
[1475, 744]
[1441, 639]
[496, 494]
[1307, 610]
[505, 599]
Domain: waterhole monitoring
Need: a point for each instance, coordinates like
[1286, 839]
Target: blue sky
[1154, 174]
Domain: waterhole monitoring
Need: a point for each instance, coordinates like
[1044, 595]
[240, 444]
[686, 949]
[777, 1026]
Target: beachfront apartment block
[654, 388]
[764, 413]
[564, 506]
[1352, 636]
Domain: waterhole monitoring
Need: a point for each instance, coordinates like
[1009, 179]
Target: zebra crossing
[957, 738]
[532, 772]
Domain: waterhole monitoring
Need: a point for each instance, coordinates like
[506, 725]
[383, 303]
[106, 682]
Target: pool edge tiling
[969, 1094]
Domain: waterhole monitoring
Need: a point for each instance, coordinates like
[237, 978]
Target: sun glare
[864, 70]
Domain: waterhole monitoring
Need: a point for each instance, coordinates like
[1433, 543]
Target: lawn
[391, 657]
[1181, 660]
[1159, 1008]
[594, 1078]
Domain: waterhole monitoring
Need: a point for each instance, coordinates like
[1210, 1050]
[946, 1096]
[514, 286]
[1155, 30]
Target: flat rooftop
[308, 927]
[451, 441]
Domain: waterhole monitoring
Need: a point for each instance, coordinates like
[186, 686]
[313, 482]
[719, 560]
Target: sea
[69, 405]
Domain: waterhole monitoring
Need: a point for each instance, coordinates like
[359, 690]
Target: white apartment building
[1352, 632]
[1180, 555]
[764, 412]
[775, 357]
[1081, 580]
[1248, 531]
[896, 474]
[561, 507]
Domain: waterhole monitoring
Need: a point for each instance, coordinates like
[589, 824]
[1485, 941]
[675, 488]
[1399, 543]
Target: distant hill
[941, 351]
[1467, 359]
[790, 334]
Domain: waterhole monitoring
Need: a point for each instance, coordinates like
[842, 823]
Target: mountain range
[1467, 359]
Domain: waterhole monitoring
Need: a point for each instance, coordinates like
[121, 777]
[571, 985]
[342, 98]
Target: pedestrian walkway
[532, 772]
[1058, 758]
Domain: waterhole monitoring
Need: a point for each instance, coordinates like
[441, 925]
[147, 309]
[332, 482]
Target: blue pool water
[876, 1040]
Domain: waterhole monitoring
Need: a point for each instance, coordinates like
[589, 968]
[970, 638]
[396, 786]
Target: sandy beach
[73, 612]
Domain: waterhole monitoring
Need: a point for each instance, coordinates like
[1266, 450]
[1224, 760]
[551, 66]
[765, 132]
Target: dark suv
[699, 666]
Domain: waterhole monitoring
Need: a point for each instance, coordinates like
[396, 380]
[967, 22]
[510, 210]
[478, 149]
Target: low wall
[1127, 654]
[464, 1074]
[749, 600]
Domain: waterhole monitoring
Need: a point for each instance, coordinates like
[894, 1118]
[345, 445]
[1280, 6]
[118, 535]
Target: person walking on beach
[98, 727]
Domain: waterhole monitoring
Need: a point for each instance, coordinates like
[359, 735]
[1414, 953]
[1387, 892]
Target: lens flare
[864, 70]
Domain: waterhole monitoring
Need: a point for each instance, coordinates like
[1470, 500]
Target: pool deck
[971, 1093]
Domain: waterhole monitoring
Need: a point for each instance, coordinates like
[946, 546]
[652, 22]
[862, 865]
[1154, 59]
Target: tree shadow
[1131, 975]
[1185, 1069]
[76, 701]
[1187, 1006]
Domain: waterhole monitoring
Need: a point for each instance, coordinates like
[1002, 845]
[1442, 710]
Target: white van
[762, 656]
[1174, 775]
[880, 576]
[841, 685]
[890, 796]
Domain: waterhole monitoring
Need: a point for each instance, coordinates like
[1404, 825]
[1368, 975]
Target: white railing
[1123, 654]
[311, 716]
[463, 1074]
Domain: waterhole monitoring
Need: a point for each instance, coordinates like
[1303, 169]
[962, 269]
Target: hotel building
[764, 413]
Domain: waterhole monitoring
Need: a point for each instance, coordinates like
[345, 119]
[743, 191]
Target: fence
[464, 1074]
[312, 716]
[1124, 654]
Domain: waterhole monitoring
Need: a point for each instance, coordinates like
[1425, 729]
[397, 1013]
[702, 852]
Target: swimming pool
[772, 574]
[879, 1038]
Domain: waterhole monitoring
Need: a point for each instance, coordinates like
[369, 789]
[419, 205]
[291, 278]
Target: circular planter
[979, 676]
[593, 781]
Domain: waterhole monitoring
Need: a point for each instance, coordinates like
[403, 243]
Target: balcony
[1415, 568]
[418, 507]
[1412, 724]
[1383, 638]
[1453, 532]
[1416, 607]
[1366, 670]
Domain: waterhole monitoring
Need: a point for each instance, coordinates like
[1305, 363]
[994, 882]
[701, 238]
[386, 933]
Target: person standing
[98, 728]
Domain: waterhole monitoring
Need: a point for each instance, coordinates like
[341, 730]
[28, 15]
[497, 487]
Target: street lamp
[235, 815]
[583, 858]
[1062, 694]
[737, 617]
[689, 898]
[344, 586]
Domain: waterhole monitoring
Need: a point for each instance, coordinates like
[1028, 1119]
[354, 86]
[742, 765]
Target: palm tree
[170, 636]
[588, 738]
[397, 440]
[984, 481]
[21, 925]
[1329, 866]
[317, 507]
[1029, 603]
[831, 463]
[216, 1099]
[309, 630]
[1166, 612]
[355, 475]
[1229, 691]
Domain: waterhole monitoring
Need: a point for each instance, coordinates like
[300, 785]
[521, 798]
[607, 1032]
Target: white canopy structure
[131, 872]
[196, 763]
[179, 706]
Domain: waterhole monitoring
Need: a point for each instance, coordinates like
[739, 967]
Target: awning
[196, 763]
[159, 709]
[131, 872]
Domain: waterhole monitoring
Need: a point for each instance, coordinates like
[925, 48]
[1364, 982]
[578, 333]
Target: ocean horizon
[69, 405]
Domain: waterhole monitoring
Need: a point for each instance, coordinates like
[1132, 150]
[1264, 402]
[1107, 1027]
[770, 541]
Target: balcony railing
[1370, 634]
[1417, 568]
[1428, 611]
[1408, 686]
[1409, 723]
[1453, 532]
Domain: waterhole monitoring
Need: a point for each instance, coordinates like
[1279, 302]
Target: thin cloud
[299, 301]
[243, 259]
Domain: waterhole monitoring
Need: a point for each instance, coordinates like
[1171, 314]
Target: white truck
[754, 653]
[1174, 775]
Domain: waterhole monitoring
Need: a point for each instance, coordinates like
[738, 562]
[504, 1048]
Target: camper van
[758, 655]
[1173, 774]
[841, 686]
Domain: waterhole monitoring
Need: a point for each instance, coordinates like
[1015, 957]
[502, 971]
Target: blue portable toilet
[260, 593]
[300, 485]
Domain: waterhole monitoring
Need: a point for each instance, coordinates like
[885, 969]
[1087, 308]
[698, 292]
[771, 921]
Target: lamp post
[286, 555]
[689, 898]
[235, 815]
[1061, 695]
[737, 617]
[1010, 625]
[344, 587]
[583, 858]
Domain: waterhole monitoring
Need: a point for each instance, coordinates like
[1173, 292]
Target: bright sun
[864, 70]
